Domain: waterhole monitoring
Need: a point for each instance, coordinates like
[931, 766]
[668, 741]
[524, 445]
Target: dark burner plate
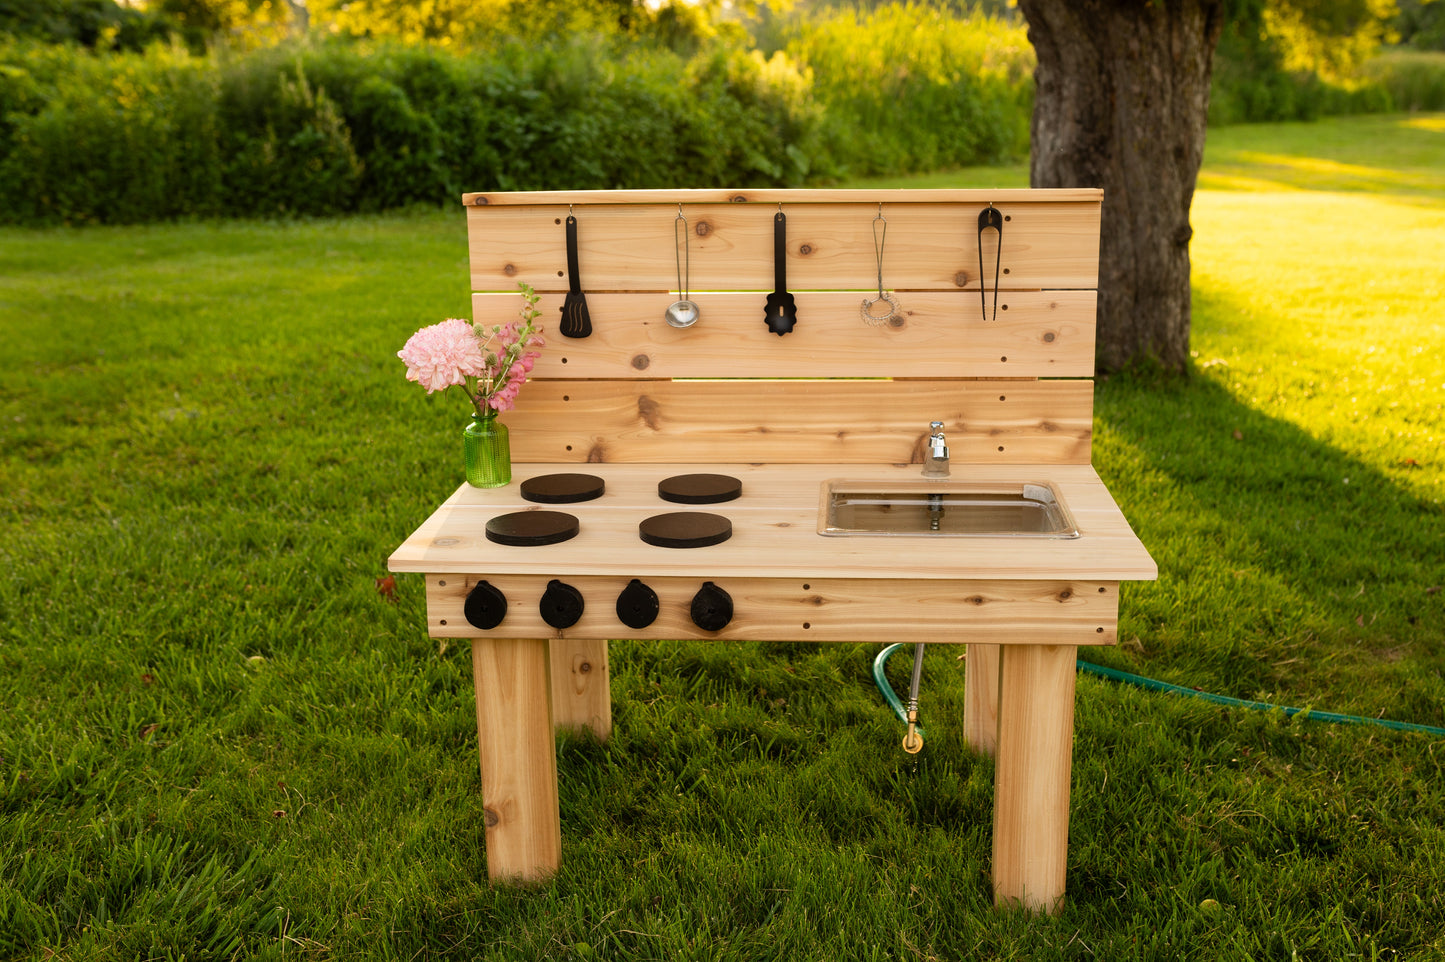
[563, 488]
[685, 529]
[531, 528]
[699, 489]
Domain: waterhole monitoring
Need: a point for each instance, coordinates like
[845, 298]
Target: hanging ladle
[681, 313]
[866, 311]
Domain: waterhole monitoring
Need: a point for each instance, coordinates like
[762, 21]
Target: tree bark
[1121, 93]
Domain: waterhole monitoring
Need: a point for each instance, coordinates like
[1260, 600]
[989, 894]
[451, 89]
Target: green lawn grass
[218, 740]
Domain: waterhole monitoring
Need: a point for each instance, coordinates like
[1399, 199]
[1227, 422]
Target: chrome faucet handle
[935, 453]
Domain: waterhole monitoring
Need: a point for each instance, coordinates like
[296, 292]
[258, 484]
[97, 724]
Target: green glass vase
[487, 451]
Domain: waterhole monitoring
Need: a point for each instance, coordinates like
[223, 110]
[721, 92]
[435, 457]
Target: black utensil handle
[573, 280]
[989, 217]
[780, 252]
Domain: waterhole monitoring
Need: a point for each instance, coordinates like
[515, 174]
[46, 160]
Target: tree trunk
[1121, 92]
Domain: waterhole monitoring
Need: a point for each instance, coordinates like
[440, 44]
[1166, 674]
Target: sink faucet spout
[935, 454]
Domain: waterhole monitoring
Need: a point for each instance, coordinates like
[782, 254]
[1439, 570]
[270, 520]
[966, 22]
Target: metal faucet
[935, 456]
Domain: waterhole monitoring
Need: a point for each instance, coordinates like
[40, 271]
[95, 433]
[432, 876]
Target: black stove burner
[562, 488]
[531, 528]
[685, 529]
[699, 489]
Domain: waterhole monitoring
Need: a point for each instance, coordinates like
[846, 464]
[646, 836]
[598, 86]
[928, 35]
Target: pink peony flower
[443, 354]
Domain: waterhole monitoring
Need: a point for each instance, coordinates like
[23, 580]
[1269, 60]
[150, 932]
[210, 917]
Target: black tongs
[782, 312]
[575, 320]
[992, 217]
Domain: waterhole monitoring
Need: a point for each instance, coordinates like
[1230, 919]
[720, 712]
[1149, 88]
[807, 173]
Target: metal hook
[989, 217]
[878, 242]
[683, 276]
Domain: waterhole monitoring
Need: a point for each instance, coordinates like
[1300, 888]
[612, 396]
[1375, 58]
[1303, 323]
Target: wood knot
[897, 322]
[1183, 234]
[509, 269]
[737, 199]
[480, 201]
[703, 228]
[805, 249]
[649, 411]
[641, 362]
[1049, 337]
[585, 667]
[491, 818]
[976, 600]
[597, 454]
[960, 279]
[1065, 595]
[816, 601]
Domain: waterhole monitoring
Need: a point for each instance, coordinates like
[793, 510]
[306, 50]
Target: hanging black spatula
[781, 313]
[575, 320]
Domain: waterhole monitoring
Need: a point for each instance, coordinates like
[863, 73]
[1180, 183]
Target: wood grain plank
[778, 544]
[775, 531]
[518, 759]
[980, 698]
[1031, 776]
[807, 609]
[774, 485]
[770, 195]
[581, 684]
[939, 334]
[1046, 246]
[1040, 422]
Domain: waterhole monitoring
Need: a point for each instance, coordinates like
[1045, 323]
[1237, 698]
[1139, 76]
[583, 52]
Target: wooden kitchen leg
[581, 686]
[1031, 776]
[980, 698]
[519, 761]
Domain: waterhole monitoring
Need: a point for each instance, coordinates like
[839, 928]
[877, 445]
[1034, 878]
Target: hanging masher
[866, 311]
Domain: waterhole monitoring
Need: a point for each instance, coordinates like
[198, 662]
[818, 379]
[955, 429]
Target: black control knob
[561, 605]
[486, 606]
[637, 606]
[712, 607]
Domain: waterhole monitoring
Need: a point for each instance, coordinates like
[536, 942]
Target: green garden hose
[1150, 684]
[881, 680]
[1327, 716]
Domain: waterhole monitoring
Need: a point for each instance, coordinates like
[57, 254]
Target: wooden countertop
[774, 530]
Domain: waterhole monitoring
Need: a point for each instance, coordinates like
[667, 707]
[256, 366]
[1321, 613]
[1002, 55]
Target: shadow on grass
[1289, 569]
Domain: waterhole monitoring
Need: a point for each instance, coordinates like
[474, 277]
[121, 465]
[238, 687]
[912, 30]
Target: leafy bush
[112, 138]
[1291, 60]
[910, 87]
[1415, 80]
[339, 127]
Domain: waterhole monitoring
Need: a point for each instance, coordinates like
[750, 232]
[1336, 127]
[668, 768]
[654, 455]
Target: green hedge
[1415, 79]
[911, 87]
[332, 128]
[117, 137]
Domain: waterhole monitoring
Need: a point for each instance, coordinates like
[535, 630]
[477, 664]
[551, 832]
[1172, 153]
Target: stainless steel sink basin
[947, 509]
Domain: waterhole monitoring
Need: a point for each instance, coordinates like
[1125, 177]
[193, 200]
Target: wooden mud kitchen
[898, 449]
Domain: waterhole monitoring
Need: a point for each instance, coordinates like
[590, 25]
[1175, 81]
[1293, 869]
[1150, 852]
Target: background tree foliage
[133, 110]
